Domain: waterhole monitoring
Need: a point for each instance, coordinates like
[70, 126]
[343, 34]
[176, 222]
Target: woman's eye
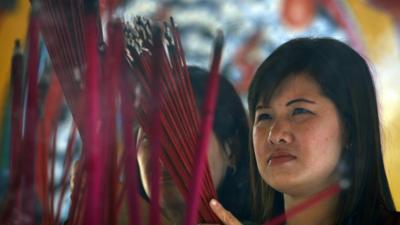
[263, 116]
[299, 111]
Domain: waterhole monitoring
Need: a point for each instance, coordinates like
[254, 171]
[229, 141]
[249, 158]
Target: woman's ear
[227, 150]
[230, 154]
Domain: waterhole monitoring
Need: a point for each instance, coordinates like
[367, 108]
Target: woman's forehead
[300, 85]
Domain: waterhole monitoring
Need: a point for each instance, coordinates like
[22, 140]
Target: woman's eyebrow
[299, 100]
[260, 106]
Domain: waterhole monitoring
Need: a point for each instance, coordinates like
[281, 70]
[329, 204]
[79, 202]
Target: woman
[228, 157]
[314, 123]
[227, 154]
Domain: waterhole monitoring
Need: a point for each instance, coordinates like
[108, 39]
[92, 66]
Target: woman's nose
[280, 133]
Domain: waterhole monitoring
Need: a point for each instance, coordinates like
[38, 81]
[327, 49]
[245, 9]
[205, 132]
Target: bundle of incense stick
[62, 27]
[159, 66]
[71, 33]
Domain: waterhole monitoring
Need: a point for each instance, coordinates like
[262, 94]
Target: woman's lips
[279, 159]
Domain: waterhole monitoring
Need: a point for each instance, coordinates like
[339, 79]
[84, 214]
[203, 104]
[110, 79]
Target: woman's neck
[322, 212]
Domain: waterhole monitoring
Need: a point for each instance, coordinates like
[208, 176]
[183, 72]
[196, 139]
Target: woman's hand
[224, 215]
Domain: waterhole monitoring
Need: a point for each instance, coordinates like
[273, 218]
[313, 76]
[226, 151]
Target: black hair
[231, 129]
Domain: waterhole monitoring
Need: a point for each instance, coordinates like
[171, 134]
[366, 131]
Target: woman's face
[172, 201]
[297, 138]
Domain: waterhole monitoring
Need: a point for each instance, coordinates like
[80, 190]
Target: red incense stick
[206, 128]
[91, 130]
[329, 192]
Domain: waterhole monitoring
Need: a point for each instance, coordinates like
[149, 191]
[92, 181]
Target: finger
[224, 215]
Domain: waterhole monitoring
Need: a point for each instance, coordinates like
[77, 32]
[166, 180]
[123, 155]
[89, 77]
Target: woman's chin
[288, 187]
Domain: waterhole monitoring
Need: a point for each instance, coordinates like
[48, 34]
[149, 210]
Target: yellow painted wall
[382, 49]
[13, 25]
